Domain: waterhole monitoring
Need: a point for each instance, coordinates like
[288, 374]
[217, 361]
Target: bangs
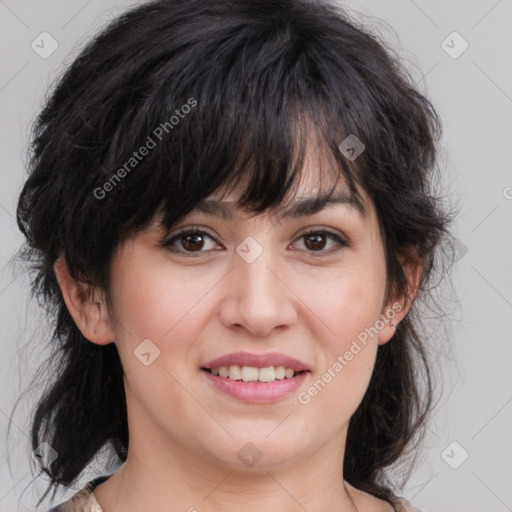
[247, 119]
[265, 175]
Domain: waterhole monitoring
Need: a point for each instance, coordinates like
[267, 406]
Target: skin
[184, 434]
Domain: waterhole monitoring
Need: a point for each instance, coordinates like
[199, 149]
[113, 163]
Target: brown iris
[194, 244]
[318, 239]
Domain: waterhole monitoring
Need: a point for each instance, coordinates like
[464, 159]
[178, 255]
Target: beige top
[85, 500]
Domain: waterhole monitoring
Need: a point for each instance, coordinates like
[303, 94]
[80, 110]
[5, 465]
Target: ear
[86, 306]
[398, 306]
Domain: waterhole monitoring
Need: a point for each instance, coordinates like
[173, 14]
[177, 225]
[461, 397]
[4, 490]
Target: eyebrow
[301, 207]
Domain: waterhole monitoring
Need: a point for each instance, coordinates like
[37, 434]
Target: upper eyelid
[345, 240]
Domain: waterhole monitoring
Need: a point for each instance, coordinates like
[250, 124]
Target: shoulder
[83, 500]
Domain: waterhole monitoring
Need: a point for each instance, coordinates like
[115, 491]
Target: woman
[230, 209]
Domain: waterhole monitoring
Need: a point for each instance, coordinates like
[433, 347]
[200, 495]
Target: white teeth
[267, 374]
[254, 374]
[235, 372]
[249, 373]
[280, 372]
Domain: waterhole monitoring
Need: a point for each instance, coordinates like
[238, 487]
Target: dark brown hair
[223, 88]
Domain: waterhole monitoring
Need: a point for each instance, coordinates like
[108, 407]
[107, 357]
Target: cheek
[346, 304]
[166, 307]
[170, 307]
[347, 362]
[349, 309]
[352, 316]
[152, 298]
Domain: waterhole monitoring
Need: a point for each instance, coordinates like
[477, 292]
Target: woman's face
[255, 285]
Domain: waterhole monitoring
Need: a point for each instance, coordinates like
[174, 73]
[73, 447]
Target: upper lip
[257, 360]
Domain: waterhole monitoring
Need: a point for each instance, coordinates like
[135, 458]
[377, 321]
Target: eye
[190, 240]
[314, 241]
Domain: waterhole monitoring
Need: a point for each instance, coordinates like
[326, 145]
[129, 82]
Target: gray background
[473, 94]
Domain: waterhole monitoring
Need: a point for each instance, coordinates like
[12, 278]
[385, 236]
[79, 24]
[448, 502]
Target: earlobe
[85, 305]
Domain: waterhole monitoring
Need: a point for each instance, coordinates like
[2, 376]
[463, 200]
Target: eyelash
[193, 230]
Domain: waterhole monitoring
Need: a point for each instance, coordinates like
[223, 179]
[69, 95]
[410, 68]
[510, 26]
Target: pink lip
[257, 360]
[256, 391]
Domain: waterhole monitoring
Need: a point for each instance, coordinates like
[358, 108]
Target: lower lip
[256, 391]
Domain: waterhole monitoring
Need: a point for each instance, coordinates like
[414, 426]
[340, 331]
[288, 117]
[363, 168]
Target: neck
[155, 477]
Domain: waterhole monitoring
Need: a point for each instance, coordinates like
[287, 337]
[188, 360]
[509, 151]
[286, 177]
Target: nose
[258, 297]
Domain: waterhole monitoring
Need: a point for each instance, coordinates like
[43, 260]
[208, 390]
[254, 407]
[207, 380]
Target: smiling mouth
[254, 375]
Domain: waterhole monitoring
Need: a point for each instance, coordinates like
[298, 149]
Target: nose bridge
[259, 299]
[256, 281]
[255, 270]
